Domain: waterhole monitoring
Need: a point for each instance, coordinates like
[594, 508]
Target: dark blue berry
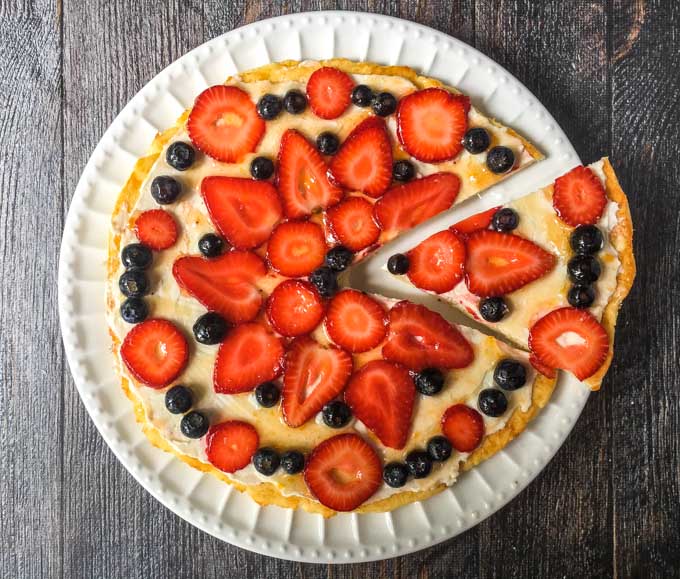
[492, 402]
[493, 309]
[362, 96]
[165, 190]
[261, 168]
[180, 156]
[266, 461]
[323, 278]
[294, 102]
[178, 399]
[419, 463]
[336, 414]
[398, 264]
[211, 245]
[429, 381]
[269, 107]
[136, 255]
[505, 219]
[267, 394]
[210, 328]
[292, 461]
[583, 269]
[134, 310]
[586, 239]
[339, 258]
[133, 283]
[510, 374]
[327, 143]
[439, 448]
[581, 296]
[500, 159]
[384, 104]
[403, 171]
[195, 424]
[476, 140]
[395, 474]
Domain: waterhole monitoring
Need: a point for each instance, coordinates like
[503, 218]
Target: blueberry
[510, 374]
[583, 269]
[476, 140]
[267, 394]
[362, 96]
[180, 156]
[581, 296]
[194, 424]
[327, 143]
[292, 461]
[336, 414]
[429, 381]
[323, 278]
[178, 399]
[266, 461]
[586, 239]
[269, 107]
[505, 219]
[493, 309]
[419, 463]
[136, 255]
[395, 474]
[384, 104]
[339, 258]
[165, 190]
[133, 283]
[500, 159]
[211, 245]
[397, 264]
[403, 171]
[261, 168]
[134, 310]
[210, 328]
[492, 402]
[294, 102]
[439, 448]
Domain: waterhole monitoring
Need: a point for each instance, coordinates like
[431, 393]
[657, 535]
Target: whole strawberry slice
[431, 124]
[329, 91]
[294, 308]
[156, 229]
[364, 162]
[248, 356]
[355, 321]
[302, 178]
[463, 426]
[314, 375]
[419, 338]
[353, 224]
[296, 248]
[226, 284]
[230, 445]
[570, 339]
[436, 264]
[381, 395]
[343, 472]
[224, 123]
[407, 205]
[540, 367]
[579, 197]
[474, 222]
[499, 263]
[155, 352]
[244, 211]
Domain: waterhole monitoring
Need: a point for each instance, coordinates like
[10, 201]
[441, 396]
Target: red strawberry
[248, 356]
[540, 367]
[294, 308]
[353, 224]
[329, 91]
[475, 222]
[243, 210]
[437, 263]
[355, 321]
[407, 205]
[155, 352]
[419, 338]
[343, 472]
[364, 162]
[570, 339]
[225, 284]
[230, 445]
[302, 178]
[156, 229]
[463, 426]
[381, 395]
[224, 123]
[499, 263]
[296, 248]
[431, 124]
[314, 375]
[579, 197]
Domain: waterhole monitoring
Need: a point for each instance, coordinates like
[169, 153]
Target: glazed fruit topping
[295, 102]
[266, 461]
[395, 474]
[230, 445]
[493, 309]
[267, 394]
[579, 197]
[261, 168]
[384, 104]
[296, 248]
[165, 190]
[492, 402]
[269, 107]
[210, 245]
[500, 160]
[362, 96]
[476, 140]
[180, 155]
[581, 296]
[156, 229]
[292, 461]
[178, 399]
[463, 427]
[339, 258]
[353, 224]
[195, 424]
[541, 367]
[439, 448]
[429, 381]
[398, 264]
[355, 321]
[294, 308]
[419, 463]
[403, 171]
[505, 219]
[210, 328]
[583, 269]
[474, 222]
[324, 280]
[134, 310]
[510, 374]
[586, 239]
[437, 264]
[133, 283]
[327, 143]
[329, 92]
[136, 255]
[336, 414]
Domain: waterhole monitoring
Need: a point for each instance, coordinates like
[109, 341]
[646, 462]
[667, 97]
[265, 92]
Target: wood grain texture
[607, 505]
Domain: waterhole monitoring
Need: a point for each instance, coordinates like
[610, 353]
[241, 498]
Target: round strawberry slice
[463, 426]
[329, 91]
[437, 264]
[540, 367]
[155, 352]
[224, 124]
[579, 197]
[296, 248]
[355, 321]
[156, 229]
[353, 224]
[343, 472]
[230, 445]
[294, 308]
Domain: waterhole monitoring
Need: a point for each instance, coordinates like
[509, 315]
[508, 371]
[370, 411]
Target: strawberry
[540, 367]
[570, 339]
[579, 197]
[294, 308]
[230, 445]
[224, 124]
[419, 338]
[155, 352]
[302, 178]
[353, 224]
[381, 395]
[431, 124]
[499, 263]
[355, 321]
[364, 162]
[244, 211]
[296, 248]
[224, 284]
[343, 472]
[156, 229]
[329, 91]
[249, 355]
[405, 206]
[463, 426]
[436, 264]
[474, 222]
[314, 375]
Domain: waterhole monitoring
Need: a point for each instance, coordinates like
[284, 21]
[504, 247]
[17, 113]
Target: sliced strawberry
[436, 264]
[353, 224]
[296, 248]
[226, 284]
[419, 338]
[475, 222]
[155, 352]
[329, 91]
[243, 210]
[343, 472]
[314, 375]
[230, 445]
[302, 178]
[499, 263]
[156, 229]
[407, 205]
[540, 367]
[364, 162]
[249, 355]
[294, 308]
[570, 339]
[463, 426]
[579, 197]
[431, 124]
[355, 321]
[224, 123]
[381, 395]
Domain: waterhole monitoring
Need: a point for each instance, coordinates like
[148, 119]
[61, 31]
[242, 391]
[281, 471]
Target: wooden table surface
[607, 505]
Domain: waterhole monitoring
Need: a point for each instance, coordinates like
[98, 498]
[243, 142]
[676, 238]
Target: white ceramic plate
[200, 498]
